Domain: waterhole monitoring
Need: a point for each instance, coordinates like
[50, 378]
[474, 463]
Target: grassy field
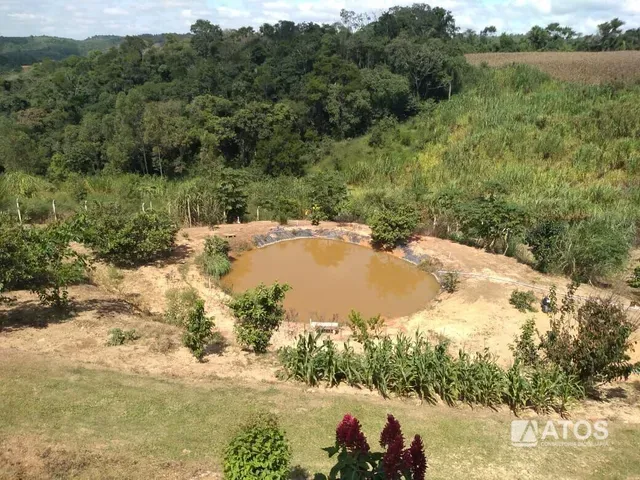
[61, 421]
[587, 67]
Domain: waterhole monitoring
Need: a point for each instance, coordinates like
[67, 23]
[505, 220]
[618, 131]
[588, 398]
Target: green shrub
[546, 240]
[119, 337]
[591, 341]
[327, 192]
[215, 245]
[39, 259]
[523, 301]
[198, 333]
[180, 302]
[364, 329]
[127, 240]
[596, 248]
[525, 349]
[260, 450]
[259, 313]
[393, 226]
[450, 281]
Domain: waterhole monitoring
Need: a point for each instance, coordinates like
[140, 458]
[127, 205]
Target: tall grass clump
[214, 260]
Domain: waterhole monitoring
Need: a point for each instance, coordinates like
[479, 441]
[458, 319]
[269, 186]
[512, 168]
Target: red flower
[395, 460]
[391, 432]
[418, 459]
[349, 435]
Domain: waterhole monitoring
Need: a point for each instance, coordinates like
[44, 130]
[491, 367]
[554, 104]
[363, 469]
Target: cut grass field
[58, 420]
[586, 67]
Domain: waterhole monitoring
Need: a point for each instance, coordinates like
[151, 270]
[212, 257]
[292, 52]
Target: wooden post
[258, 214]
[449, 90]
[142, 207]
[53, 205]
[189, 210]
[19, 214]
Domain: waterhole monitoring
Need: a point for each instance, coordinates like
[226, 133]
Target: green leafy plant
[523, 301]
[408, 367]
[363, 329]
[354, 458]
[393, 225]
[327, 192]
[39, 259]
[126, 240]
[198, 331]
[119, 337]
[180, 302]
[591, 341]
[450, 282]
[525, 349]
[259, 313]
[259, 450]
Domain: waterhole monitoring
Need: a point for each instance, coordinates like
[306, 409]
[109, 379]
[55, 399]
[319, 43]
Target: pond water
[329, 278]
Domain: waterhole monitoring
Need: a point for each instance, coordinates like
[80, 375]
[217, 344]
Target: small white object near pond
[333, 327]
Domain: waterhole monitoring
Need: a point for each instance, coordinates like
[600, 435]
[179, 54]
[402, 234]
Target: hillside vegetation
[276, 123]
[18, 51]
[534, 158]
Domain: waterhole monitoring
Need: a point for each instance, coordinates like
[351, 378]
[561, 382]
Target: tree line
[554, 37]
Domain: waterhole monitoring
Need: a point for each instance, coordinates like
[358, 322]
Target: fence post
[258, 214]
[189, 210]
[53, 205]
[19, 214]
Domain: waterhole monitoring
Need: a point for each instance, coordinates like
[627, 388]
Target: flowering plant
[356, 461]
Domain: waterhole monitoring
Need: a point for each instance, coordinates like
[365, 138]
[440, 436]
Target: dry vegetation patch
[586, 67]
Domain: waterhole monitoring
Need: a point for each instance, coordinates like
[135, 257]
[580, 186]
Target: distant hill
[18, 51]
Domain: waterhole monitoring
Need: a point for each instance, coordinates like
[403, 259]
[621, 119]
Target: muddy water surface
[329, 278]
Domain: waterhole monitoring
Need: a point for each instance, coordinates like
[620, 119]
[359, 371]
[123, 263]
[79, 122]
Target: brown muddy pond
[329, 278]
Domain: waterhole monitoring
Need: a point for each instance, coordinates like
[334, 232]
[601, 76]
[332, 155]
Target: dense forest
[377, 121]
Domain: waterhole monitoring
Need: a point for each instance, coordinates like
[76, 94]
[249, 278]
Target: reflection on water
[331, 278]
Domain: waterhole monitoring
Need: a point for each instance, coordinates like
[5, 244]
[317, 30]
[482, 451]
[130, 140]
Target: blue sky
[83, 18]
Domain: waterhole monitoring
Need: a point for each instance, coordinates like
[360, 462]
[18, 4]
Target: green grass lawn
[105, 424]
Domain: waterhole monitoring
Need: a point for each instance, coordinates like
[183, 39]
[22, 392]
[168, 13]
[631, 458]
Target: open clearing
[73, 407]
[586, 67]
[61, 420]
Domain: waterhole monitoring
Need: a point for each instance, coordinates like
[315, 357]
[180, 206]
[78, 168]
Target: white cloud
[115, 11]
[230, 13]
[22, 16]
[31, 17]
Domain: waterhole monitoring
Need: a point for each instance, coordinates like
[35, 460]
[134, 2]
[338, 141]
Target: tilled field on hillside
[587, 67]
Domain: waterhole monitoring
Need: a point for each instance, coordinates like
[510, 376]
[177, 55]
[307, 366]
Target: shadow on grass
[32, 314]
